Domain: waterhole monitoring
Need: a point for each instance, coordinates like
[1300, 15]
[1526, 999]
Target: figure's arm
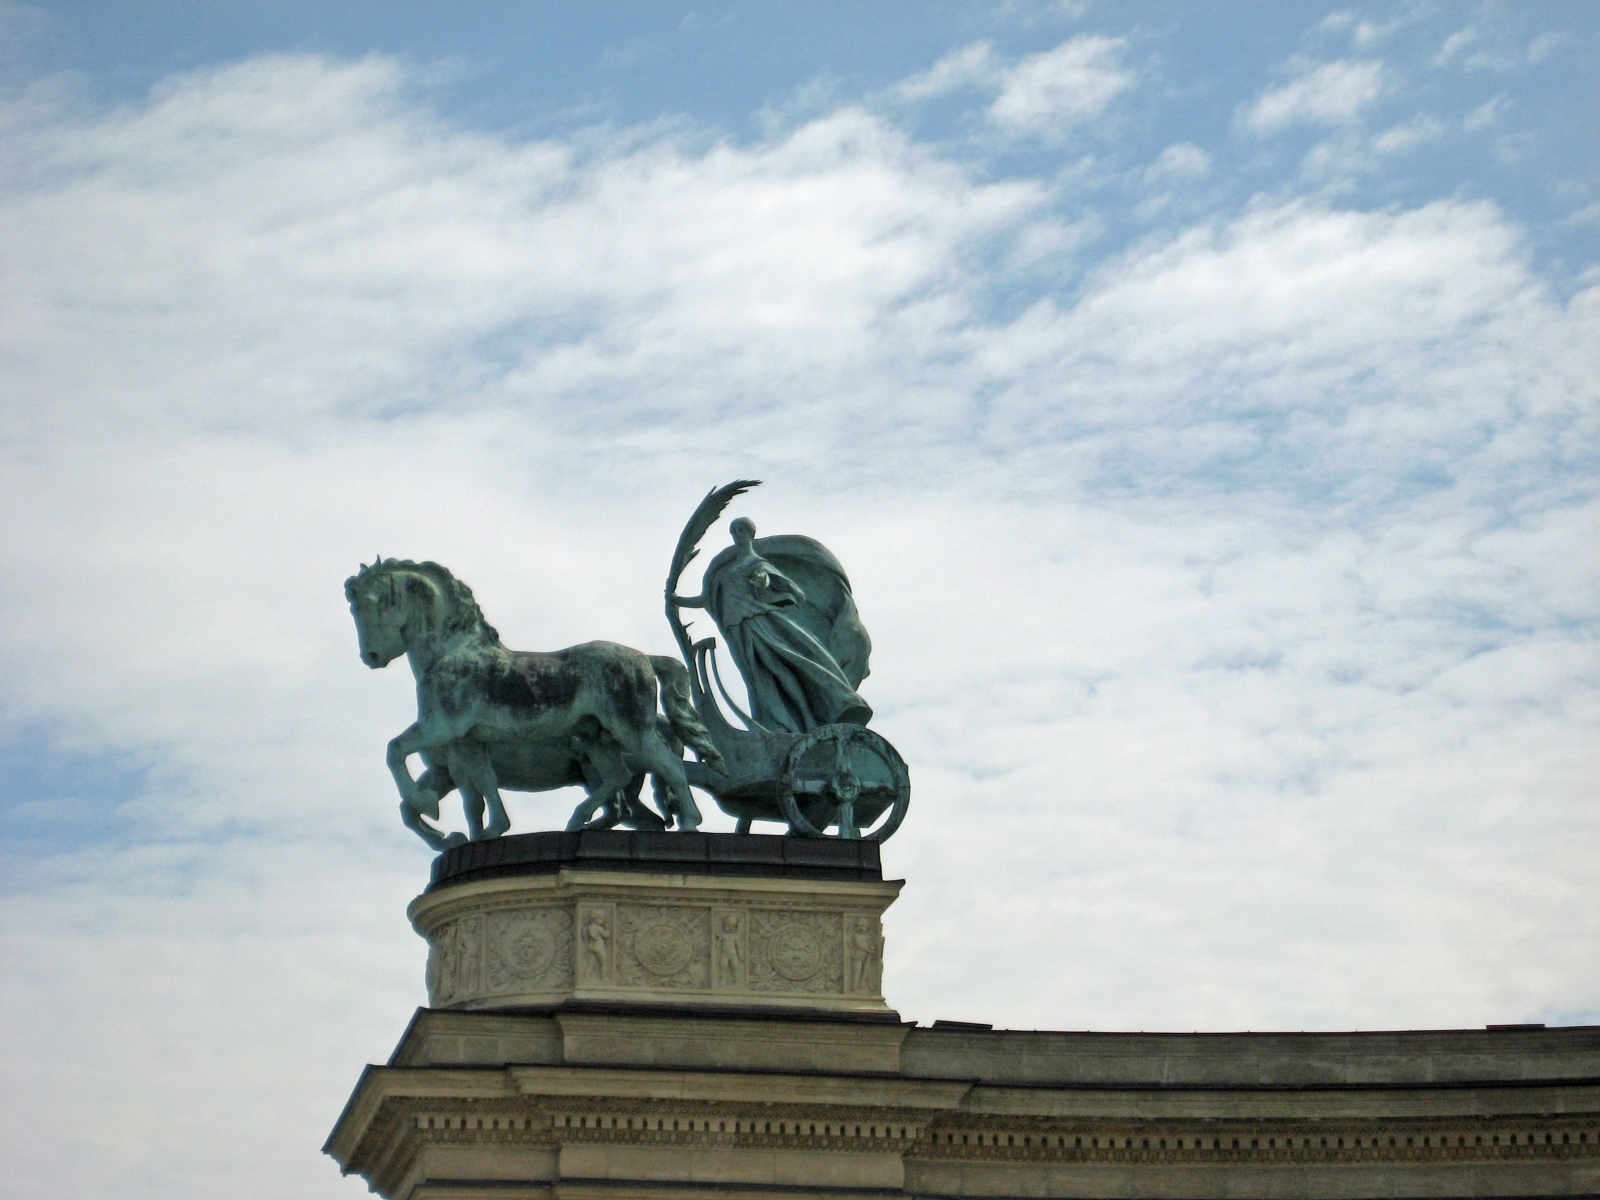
[687, 601]
[777, 581]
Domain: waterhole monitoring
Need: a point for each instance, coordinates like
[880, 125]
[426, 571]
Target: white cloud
[1183, 160]
[1398, 139]
[1487, 114]
[1074, 81]
[973, 65]
[1482, 46]
[1333, 94]
[1543, 46]
[1251, 584]
[1039, 94]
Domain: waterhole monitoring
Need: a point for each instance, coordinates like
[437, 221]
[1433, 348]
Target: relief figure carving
[730, 951]
[469, 951]
[442, 965]
[863, 953]
[597, 946]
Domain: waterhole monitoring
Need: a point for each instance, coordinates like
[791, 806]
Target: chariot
[489, 717]
[825, 775]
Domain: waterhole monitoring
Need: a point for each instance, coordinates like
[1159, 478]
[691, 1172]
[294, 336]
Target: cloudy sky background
[1202, 398]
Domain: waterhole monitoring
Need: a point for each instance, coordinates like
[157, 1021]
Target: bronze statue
[801, 650]
[491, 718]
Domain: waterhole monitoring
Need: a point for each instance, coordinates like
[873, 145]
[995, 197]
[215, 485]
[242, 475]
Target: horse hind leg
[605, 772]
[634, 812]
[469, 763]
[667, 769]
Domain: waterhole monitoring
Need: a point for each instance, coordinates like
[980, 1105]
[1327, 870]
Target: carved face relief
[796, 952]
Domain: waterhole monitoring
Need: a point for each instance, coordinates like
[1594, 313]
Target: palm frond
[710, 509]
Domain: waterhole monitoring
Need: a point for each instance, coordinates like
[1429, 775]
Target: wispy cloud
[1485, 44]
[1037, 94]
[1335, 93]
[1182, 160]
[1076, 80]
[975, 65]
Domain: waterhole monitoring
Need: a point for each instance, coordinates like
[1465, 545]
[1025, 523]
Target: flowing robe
[788, 619]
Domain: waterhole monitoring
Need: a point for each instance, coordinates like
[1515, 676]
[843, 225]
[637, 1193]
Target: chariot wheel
[844, 776]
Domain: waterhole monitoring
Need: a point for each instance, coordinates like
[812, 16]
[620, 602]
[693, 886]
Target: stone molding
[419, 1125]
[642, 937]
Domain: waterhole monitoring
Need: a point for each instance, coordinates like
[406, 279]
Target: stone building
[627, 1015]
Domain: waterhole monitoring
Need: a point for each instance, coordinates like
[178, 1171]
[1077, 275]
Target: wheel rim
[845, 784]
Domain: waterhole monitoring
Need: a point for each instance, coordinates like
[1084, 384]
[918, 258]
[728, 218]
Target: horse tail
[679, 707]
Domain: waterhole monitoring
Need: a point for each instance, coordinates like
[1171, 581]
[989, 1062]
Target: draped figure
[787, 617]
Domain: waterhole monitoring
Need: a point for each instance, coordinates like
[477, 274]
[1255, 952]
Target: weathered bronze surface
[490, 718]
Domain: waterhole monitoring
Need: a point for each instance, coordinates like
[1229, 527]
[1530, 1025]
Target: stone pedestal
[623, 1016]
[725, 920]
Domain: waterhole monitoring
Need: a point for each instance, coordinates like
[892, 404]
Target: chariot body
[802, 755]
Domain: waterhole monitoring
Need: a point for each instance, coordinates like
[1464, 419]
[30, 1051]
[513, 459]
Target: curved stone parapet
[722, 920]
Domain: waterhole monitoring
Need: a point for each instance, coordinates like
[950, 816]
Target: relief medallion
[795, 952]
[661, 948]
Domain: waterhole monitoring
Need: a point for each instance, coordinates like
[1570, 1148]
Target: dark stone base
[754, 855]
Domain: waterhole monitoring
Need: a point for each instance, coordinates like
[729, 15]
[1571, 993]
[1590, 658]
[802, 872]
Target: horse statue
[489, 717]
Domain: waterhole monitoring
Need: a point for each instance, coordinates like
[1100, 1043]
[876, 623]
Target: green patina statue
[491, 718]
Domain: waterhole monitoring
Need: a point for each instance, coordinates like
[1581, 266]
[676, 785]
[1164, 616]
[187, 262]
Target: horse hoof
[454, 840]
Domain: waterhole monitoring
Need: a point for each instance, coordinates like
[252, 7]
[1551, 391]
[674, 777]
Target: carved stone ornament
[664, 947]
[796, 951]
[655, 939]
[530, 949]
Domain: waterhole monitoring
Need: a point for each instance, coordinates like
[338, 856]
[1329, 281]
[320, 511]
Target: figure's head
[743, 530]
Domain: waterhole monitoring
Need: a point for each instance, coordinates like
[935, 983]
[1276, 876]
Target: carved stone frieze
[656, 939]
[729, 949]
[664, 947]
[530, 948]
[863, 952]
[598, 924]
[794, 951]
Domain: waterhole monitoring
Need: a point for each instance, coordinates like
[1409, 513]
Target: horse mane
[464, 617]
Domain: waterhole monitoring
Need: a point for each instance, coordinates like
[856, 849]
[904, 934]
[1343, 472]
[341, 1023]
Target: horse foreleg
[419, 797]
[412, 740]
[435, 839]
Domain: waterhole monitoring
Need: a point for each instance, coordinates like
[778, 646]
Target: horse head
[376, 599]
[395, 600]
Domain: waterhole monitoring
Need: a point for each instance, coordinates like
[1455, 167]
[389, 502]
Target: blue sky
[1201, 397]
